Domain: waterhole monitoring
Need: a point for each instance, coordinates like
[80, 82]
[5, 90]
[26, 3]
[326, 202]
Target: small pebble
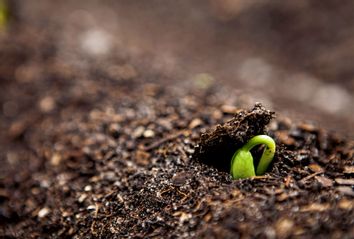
[43, 212]
[138, 132]
[149, 133]
[88, 188]
[283, 227]
[195, 123]
[82, 198]
[46, 104]
[179, 179]
[346, 204]
[55, 159]
[91, 207]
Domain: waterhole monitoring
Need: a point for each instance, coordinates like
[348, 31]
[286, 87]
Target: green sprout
[242, 161]
[4, 14]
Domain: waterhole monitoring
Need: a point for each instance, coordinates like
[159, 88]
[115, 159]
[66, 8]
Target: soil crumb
[217, 146]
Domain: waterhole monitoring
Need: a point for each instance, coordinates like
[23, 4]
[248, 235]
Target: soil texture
[96, 144]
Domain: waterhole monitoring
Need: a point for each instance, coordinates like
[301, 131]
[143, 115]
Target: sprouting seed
[242, 165]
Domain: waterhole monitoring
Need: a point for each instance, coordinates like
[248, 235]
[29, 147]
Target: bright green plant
[242, 165]
[3, 14]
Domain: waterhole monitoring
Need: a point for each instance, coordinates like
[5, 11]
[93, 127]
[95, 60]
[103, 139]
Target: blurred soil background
[295, 57]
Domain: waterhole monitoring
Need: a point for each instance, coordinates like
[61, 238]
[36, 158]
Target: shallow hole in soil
[218, 145]
[220, 157]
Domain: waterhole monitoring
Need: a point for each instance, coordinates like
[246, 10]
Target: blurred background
[295, 57]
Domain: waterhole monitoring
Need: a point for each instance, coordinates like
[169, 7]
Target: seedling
[242, 165]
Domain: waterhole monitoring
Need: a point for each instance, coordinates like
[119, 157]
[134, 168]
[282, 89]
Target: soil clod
[217, 146]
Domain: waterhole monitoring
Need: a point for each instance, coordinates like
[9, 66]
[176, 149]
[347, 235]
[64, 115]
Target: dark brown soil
[107, 147]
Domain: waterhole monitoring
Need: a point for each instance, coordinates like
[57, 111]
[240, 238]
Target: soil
[97, 144]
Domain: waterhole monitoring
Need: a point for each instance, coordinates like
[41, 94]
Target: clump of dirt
[217, 146]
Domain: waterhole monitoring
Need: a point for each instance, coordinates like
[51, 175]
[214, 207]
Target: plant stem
[242, 161]
[268, 152]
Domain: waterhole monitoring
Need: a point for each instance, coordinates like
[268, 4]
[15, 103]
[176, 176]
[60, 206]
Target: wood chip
[284, 138]
[4, 193]
[346, 204]
[325, 182]
[17, 128]
[283, 227]
[309, 177]
[348, 191]
[207, 217]
[195, 123]
[317, 207]
[162, 141]
[289, 181]
[56, 159]
[286, 195]
[348, 169]
[229, 109]
[308, 127]
[344, 181]
[138, 132]
[316, 168]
